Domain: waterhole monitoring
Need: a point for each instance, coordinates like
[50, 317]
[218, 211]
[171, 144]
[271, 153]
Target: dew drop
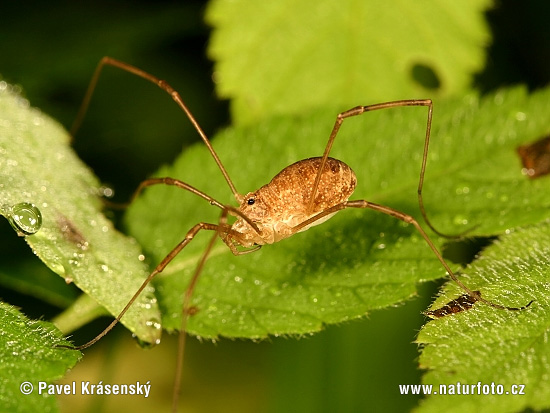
[462, 190]
[460, 220]
[145, 344]
[153, 323]
[25, 218]
[275, 291]
[106, 192]
[521, 116]
[74, 262]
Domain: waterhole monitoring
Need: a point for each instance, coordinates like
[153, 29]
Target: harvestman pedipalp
[314, 190]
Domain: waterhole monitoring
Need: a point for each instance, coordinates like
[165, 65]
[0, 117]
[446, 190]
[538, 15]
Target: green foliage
[319, 53]
[29, 354]
[289, 56]
[293, 67]
[493, 346]
[76, 241]
[359, 260]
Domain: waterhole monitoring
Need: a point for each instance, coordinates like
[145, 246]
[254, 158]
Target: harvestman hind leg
[410, 220]
[223, 230]
[358, 110]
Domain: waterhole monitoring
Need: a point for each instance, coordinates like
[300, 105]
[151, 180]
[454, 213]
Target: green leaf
[31, 277]
[288, 56]
[29, 354]
[494, 346]
[359, 260]
[76, 241]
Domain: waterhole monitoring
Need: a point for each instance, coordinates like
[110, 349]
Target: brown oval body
[282, 204]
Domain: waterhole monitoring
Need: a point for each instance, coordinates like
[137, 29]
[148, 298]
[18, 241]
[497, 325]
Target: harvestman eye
[325, 184]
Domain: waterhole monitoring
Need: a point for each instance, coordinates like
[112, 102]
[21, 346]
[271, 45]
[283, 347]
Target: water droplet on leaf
[145, 344]
[154, 323]
[25, 218]
[460, 220]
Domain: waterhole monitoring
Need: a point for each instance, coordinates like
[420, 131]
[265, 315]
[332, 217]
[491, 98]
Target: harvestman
[314, 190]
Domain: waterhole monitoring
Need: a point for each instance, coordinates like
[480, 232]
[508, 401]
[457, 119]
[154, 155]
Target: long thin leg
[186, 310]
[159, 268]
[358, 110]
[222, 230]
[182, 185]
[164, 86]
[410, 220]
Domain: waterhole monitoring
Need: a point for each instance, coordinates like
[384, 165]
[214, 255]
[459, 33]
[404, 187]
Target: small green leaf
[287, 56]
[488, 345]
[75, 240]
[358, 260]
[29, 354]
[32, 277]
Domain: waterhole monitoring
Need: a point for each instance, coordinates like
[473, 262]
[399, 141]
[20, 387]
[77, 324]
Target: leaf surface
[76, 241]
[495, 347]
[286, 56]
[29, 354]
[359, 260]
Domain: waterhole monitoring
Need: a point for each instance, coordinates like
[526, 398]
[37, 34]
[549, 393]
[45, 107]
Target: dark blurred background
[51, 50]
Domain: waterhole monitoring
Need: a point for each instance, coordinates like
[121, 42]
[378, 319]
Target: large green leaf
[76, 241]
[286, 56]
[492, 346]
[359, 260]
[29, 356]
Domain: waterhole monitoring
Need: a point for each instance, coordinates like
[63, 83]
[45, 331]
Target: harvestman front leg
[174, 94]
[223, 230]
[158, 269]
[225, 233]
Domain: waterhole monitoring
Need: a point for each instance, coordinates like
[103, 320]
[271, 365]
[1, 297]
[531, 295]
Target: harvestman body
[302, 195]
